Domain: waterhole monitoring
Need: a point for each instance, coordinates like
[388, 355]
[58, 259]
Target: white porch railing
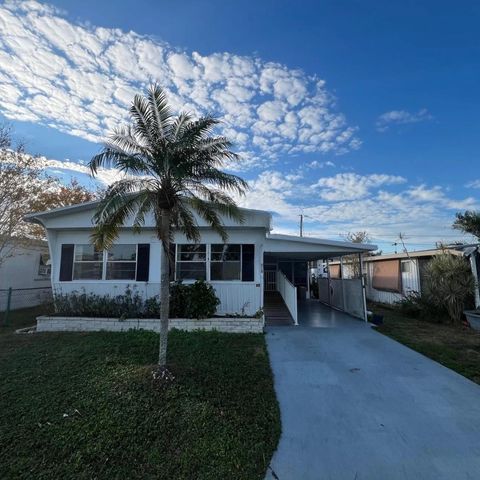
[288, 293]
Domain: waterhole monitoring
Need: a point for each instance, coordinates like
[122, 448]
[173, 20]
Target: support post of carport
[344, 301]
[364, 294]
[328, 283]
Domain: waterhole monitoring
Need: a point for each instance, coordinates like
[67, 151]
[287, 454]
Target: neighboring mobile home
[251, 266]
[391, 277]
[26, 271]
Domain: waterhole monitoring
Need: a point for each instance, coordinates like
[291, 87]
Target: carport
[286, 274]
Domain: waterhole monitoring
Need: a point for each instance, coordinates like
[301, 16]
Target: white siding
[235, 297]
[21, 269]
[21, 273]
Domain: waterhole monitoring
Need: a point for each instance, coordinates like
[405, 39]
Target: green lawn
[84, 406]
[456, 347]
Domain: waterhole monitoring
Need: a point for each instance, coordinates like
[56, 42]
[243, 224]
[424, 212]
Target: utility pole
[301, 224]
[401, 236]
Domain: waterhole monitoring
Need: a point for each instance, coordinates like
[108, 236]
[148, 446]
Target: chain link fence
[12, 299]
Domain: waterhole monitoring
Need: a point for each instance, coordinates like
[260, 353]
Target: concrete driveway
[357, 405]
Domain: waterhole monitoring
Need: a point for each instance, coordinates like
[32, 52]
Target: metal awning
[290, 247]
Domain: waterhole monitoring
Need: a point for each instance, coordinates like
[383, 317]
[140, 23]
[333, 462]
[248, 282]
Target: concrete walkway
[357, 405]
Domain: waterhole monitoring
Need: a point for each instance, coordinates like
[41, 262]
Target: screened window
[121, 262]
[191, 262]
[225, 262]
[87, 263]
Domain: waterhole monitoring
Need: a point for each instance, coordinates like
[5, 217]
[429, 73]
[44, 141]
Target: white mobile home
[391, 277]
[253, 265]
[25, 274]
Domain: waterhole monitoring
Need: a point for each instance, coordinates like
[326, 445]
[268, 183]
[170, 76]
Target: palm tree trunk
[164, 288]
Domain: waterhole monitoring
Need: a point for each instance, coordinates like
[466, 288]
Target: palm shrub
[173, 167]
[421, 305]
[449, 283]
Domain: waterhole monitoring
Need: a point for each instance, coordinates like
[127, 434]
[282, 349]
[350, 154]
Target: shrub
[128, 305]
[202, 301]
[197, 300]
[178, 299]
[421, 306]
[449, 284]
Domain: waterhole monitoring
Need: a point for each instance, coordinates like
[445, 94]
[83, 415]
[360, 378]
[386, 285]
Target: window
[225, 263]
[232, 262]
[407, 266]
[386, 276]
[87, 263]
[191, 262]
[44, 266]
[121, 262]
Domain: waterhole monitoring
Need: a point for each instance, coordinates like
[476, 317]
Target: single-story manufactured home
[391, 277]
[254, 271]
[24, 274]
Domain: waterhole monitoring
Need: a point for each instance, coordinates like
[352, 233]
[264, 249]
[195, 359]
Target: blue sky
[363, 115]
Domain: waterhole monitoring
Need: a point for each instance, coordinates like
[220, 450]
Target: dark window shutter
[66, 263]
[248, 263]
[143, 262]
[172, 262]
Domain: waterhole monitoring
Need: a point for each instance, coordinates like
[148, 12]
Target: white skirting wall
[87, 324]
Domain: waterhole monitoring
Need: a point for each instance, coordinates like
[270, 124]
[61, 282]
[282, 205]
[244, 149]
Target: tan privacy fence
[344, 294]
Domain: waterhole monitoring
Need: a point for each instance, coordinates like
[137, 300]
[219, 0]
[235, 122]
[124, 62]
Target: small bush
[201, 300]
[197, 300]
[128, 305]
[178, 299]
[420, 306]
[450, 284]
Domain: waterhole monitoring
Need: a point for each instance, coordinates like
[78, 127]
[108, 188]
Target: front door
[270, 278]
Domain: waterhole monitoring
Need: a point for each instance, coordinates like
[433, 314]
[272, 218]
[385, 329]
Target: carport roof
[310, 248]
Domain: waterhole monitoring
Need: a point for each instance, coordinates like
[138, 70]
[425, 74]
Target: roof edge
[366, 247]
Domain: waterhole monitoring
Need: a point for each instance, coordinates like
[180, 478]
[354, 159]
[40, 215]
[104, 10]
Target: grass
[456, 347]
[21, 318]
[84, 406]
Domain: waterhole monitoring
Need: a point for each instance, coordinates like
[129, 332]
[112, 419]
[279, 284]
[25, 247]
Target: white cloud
[384, 205]
[350, 186]
[80, 79]
[401, 117]
[473, 184]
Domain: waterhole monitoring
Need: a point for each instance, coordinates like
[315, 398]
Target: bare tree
[24, 188]
[353, 260]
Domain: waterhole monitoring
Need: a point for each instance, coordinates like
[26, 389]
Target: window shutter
[143, 262]
[172, 262]
[248, 263]
[66, 262]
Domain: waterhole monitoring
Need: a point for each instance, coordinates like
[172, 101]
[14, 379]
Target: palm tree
[468, 222]
[172, 170]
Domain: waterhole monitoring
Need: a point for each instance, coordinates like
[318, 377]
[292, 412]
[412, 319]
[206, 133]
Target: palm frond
[207, 211]
[142, 120]
[185, 221]
[111, 215]
[160, 111]
[225, 181]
